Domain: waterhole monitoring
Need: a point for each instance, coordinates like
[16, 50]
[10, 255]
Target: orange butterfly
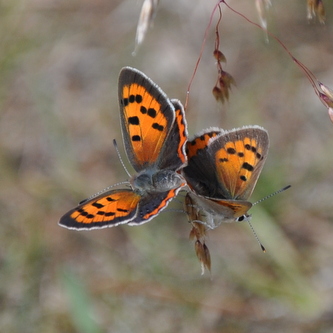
[222, 171]
[154, 133]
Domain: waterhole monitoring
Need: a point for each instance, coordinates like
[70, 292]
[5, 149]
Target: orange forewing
[235, 163]
[148, 110]
[201, 142]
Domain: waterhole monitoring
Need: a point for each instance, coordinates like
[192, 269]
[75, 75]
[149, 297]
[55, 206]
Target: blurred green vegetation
[59, 64]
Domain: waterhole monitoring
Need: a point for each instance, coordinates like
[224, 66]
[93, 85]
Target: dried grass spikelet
[223, 86]
[262, 8]
[203, 255]
[315, 8]
[219, 56]
[326, 96]
[146, 19]
[198, 233]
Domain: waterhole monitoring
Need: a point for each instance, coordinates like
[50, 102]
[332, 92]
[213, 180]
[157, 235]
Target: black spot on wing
[231, 151]
[97, 205]
[247, 166]
[138, 98]
[158, 127]
[136, 138]
[133, 120]
[152, 113]
[131, 98]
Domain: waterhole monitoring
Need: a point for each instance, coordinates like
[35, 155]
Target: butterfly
[154, 132]
[222, 171]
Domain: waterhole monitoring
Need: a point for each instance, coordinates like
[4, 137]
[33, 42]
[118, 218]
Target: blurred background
[59, 66]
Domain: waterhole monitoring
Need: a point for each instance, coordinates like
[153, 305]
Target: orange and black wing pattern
[173, 155]
[147, 116]
[239, 158]
[106, 210]
[200, 172]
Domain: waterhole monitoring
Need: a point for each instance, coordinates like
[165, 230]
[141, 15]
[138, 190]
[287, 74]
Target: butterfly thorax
[156, 181]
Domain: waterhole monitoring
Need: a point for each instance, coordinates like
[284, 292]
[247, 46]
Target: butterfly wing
[200, 172]
[173, 154]
[106, 210]
[239, 156]
[147, 117]
[152, 204]
[229, 209]
[213, 212]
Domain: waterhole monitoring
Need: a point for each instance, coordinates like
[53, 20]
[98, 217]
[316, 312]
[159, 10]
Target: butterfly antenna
[256, 236]
[272, 194]
[104, 190]
[120, 159]
[248, 220]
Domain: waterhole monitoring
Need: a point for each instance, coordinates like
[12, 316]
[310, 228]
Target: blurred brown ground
[59, 65]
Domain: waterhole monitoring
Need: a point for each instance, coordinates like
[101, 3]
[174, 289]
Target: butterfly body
[154, 133]
[156, 181]
[222, 171]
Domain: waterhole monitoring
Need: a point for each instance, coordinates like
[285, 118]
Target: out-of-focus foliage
[59, 63]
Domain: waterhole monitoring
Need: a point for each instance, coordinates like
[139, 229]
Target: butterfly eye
[142, 182]
[245, 217]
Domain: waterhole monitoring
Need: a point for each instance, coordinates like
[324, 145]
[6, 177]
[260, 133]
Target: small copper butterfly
[222, 171]
[155, 134]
